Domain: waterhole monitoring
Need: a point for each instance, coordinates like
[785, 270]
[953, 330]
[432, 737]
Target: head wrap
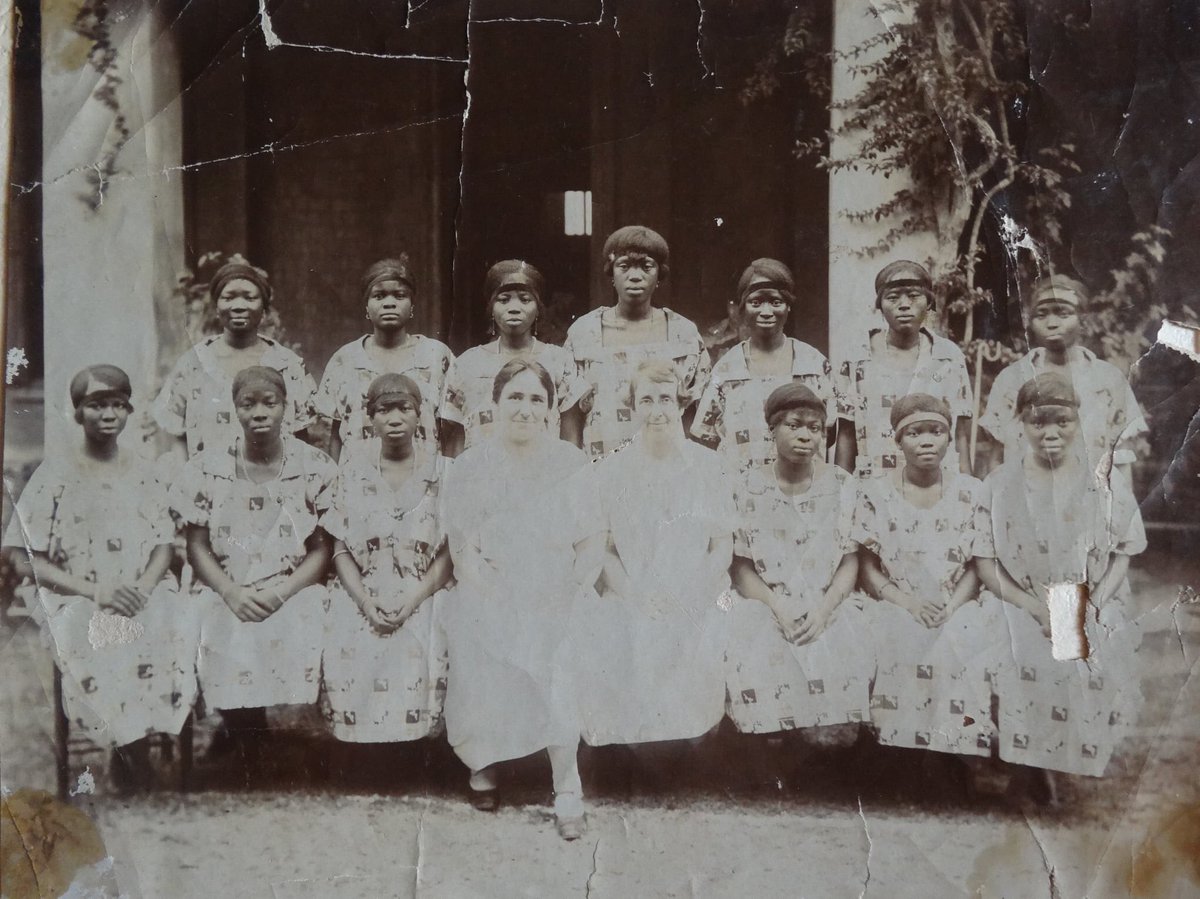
[637, 239]
[1058, 289]
[790, 397]
[766, 274]
[259, 376]
[244, 271]
[513, 272]
[916, 407]
[100, 380]
[1047, 389]
[392, 386]
[399, 269]
[902, 273]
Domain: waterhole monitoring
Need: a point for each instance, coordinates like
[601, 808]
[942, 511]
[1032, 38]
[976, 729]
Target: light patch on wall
[577, 213]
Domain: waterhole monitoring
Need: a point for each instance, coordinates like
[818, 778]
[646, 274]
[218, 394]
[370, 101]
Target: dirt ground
[855, 822]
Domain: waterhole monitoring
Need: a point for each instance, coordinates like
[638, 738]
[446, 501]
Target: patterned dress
[343, 392]
[796, 544]
[1064, 715]
[657, 656]
[514, 649]
[932, 685]
[468, 400]
[196, 401]
[383, 688]
[869, 386]
[103, 525]
[257, 533]
[730, 413]
[1109, 416]
[606, 372]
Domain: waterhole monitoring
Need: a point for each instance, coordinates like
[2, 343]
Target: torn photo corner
[513, 447]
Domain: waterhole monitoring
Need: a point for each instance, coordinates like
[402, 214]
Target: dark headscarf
[258, 376]
[790, 397]
[233, 271]
[902, 273]
[391, 386]
[1047, 389]
[399, 269]
[771, 274]
[503, 273]
[100, 380]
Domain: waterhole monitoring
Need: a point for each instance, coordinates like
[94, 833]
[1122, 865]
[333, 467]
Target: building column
[112, 229]
[851, 272]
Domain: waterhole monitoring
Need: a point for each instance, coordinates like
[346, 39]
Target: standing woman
[194, 404]
[93, 535]
[730, 415]
[1054, 522]
[384, 666]
[521, 528]
[389, 292]
[608, 343]
[259, 555]
[916, 526]
[514, 292]
[667, 505]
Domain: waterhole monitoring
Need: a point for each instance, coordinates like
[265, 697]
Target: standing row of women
[590, 600]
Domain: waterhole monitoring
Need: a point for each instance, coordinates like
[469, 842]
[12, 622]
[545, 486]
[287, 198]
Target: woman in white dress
[514, 292]
[93, 534]
[523, 535]
[260, 557]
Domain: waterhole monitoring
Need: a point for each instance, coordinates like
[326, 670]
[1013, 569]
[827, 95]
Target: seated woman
[916, 529]
[1053, 522]
[514, 290]
[657, 632]
[93, 535]
[384, 668]
[389, 292]
[796, 657]
[729, 417]
[524, 536]
[194, 405]
[259, 556]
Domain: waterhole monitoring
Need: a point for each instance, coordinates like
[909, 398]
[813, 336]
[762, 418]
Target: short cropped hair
[514, 367]
[657, 371]
[637, 239]
[258, 375]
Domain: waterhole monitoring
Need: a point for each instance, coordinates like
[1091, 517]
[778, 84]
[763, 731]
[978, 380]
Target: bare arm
[1001, 583]
[453, 438]
[335, 439]
[311, 569]
[846, 446]
[349, 574]
[615, 576]
[748, 582]
[570, 426]
[962, 443]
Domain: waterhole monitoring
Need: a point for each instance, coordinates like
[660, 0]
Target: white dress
[656, 662]
[511, 637]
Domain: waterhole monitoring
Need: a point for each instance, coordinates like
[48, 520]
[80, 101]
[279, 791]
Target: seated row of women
[526, 599]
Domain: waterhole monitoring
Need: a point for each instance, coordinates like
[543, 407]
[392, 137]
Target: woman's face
[656, 406]
[634, 277]
[103, 418]
[240, 306]
[395, 419]
[389, 305]
[799, 435]
[259, 411]
[904, 307]
[765, 311]
[523, 407]
[924, 444]
[514, 308]
[1050, 431]
[1055, 326]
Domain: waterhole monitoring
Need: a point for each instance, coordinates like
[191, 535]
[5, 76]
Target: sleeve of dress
[453, 406]
[709, 423]
[1134, 425]
[32, 518]
[331, 508]
[701, 371]
[998, 413]
[983, 540]
[845, 393]
[303, 390]
[847, 496]
[325, 399]
[828, 390]
[741, 531]
[322, 472]
[1132, 542]
[191, 496]
[570, 387]
[170, 406]
[864, 527]
[155, 508]
[962, 400]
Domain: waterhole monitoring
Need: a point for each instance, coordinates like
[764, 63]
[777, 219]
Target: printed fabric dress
[796, 544]
[1109, 416]
[932, 685]
[607, 371]
[1065, 715]
[468, 400]
[196, 401]
[343, 391]
[869, 386]
[384, 688]
[257, 533]
[730, 413]
[103, 525]
[656, 663]
[514, 650]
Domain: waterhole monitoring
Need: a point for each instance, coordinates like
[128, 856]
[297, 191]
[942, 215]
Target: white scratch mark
[105, 629]
[268, 29]
[1181, 338]
[273, 41]
[870, 845]
[15, 361]
[1067, 602]
[85, 784]
[720, 221]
